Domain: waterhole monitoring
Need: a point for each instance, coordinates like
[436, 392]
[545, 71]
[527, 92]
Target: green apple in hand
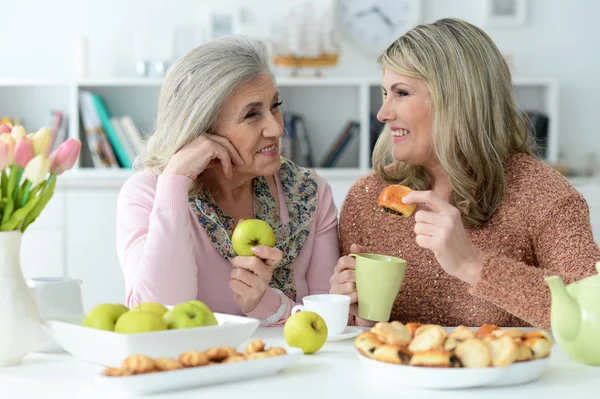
[150, 307]
[250, 233]
[189, 315]
[104, 316]
[305, 330]
[140, 322]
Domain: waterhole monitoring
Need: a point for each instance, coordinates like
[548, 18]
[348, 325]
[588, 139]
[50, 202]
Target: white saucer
[349, 332]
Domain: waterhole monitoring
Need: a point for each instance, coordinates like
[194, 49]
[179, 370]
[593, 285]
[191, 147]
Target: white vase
[20, 329]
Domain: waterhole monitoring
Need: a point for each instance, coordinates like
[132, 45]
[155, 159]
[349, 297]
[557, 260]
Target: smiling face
[252, 120]
[407, 112]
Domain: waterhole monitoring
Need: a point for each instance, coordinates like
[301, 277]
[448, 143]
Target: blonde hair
[195, 91]
[476, 123]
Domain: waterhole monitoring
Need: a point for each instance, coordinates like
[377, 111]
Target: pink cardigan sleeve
[154, 240]
[324, 256]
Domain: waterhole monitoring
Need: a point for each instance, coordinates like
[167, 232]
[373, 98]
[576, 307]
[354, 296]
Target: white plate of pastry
[430, 356]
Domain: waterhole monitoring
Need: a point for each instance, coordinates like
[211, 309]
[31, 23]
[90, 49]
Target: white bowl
[108, 348]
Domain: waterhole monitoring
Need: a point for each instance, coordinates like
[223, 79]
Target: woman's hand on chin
[250, 278]
[204, 152]
[441, 230]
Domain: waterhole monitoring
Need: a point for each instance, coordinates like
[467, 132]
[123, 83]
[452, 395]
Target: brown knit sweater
[541, 229]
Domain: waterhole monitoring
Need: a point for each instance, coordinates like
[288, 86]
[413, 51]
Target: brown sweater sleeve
[563, 245]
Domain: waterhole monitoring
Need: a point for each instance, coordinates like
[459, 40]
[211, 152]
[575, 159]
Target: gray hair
[195, 91]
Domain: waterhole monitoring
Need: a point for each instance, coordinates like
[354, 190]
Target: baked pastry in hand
[394, 333]
[432, 358]
[392, 354]
[390, 199]
[473, 353]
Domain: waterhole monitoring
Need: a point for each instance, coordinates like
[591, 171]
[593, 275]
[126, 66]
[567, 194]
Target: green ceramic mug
[378, 282]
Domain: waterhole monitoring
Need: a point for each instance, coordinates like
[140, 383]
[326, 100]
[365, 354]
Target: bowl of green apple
[110, 332]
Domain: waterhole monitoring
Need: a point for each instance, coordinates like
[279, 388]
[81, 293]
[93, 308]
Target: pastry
[503, 351]
[513, 332]
[392, 354]
[259, 355]
[539, 343]
[394, 333]
[167, 364]
[366, 343]
[255, 346]
[473, 353]
[193, 359]
[236, 359]
[462, 333]
[524, 352]
[138, 364]
[432, 358]
[428, 337]
[412, 327]
[485, 330]
[390, 199]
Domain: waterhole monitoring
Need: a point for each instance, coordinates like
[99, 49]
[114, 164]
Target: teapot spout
[565, 314]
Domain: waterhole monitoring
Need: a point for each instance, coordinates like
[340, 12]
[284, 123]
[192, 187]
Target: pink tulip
[5, 128]
[23, 152]
[4, 155]
[65, 156]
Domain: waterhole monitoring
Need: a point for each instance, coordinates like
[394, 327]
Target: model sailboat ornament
[306, 42]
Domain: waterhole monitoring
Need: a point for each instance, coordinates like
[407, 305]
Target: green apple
[140, 321]
[189, 315]
[210, 317]
[305, 330]
[250, 233]
[104, 316]
[150, 307]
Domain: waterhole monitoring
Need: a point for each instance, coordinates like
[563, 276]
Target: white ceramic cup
[55, 297]
[333, 308]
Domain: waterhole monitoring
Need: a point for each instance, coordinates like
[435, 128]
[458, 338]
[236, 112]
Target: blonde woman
[491, 219]
[213, 160]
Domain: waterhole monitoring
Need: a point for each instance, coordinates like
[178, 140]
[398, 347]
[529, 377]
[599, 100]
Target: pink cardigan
[166, 255]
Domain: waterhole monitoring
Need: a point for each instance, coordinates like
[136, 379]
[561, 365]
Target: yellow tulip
[10, 142]
[37, 169]
[17, 132]
[41, 141]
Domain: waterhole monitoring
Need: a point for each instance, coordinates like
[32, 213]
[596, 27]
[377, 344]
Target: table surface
[333, 372]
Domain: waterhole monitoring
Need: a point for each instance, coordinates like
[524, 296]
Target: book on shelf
[295, 143]
[112, 141]
[350, 130]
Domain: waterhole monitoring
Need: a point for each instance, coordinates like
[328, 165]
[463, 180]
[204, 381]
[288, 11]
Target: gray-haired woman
[213, 160]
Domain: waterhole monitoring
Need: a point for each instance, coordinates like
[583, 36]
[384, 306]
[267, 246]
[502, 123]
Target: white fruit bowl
[108, 348]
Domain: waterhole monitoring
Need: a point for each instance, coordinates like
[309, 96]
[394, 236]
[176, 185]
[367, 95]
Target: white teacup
[55, 297]
[333, 308]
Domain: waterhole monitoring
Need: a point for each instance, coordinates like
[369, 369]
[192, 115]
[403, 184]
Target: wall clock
[372, 25]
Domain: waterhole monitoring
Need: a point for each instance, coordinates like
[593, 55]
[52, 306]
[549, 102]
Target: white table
[333, 372]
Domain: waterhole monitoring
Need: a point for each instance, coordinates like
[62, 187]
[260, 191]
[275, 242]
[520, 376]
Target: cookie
[428, 337]
[254, 346]
[276, 351]
[116, 372]
[412, 327]
[193, 359]
[503, 351]
[433, 358]
[138, 364]
[167, 364]
[235, 359]
[220, 354]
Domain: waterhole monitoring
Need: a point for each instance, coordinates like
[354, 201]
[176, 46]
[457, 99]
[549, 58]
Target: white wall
[559, 41]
